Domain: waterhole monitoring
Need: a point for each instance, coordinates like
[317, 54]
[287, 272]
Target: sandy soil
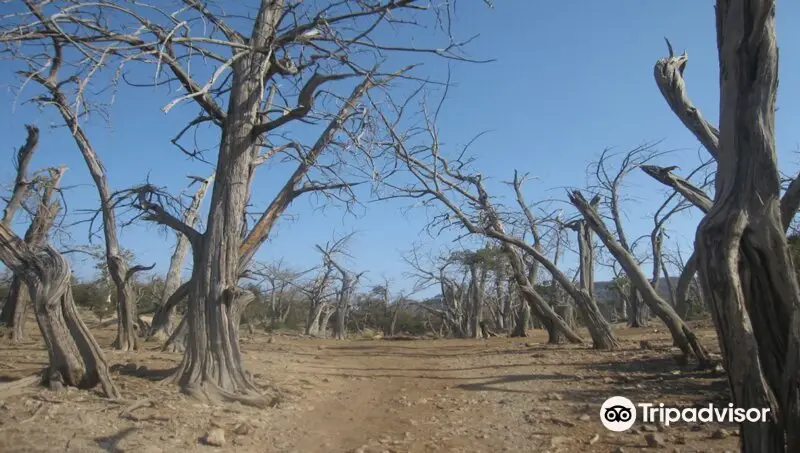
[503, 394]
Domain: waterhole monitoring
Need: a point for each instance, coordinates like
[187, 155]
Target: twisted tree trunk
[75, 357]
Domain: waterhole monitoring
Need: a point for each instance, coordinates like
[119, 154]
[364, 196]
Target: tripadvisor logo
[619, 414]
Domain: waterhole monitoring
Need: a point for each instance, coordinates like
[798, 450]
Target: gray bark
[21, 183]
[75, 357]
[681, 333]
[161, 327]
[744, 262]
[14, 310]
[36, 239]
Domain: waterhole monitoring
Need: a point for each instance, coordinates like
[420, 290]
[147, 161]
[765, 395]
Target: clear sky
[571, 78]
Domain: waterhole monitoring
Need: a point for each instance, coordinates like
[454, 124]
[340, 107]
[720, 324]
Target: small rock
[680, 440]
[554, 397]
[649, 428]
[594, 439]
[655, 440]
[609, 380]
[215, 437]
[618, 450]
[242, 429]
[585, 418]
[721, 433]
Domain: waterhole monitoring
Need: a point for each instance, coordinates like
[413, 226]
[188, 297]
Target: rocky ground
[502, 394]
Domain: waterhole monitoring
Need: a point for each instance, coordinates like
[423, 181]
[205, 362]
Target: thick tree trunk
[681, 333]
[523, 318]
[744, 263]
[324, 321]
[339, 324]
[313, 318]
[75, 357]
[212, 367]
[637, 312]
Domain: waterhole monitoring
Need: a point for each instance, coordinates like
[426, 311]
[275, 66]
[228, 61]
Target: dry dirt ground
[502, 394]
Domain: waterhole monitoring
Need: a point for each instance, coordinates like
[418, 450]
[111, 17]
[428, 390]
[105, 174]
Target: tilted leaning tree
[274, 61]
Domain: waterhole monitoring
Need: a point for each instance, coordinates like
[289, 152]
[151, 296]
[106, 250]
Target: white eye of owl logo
[618, 413]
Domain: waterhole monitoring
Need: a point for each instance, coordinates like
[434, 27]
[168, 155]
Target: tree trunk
[322, 329]
[522, 320]
[637, 313]
[539, 306]
[745, 267]
[681, 333]
[177, 340]
[477, 293]
[684, 282]
[15, 309]
[162, 318]
[161, 327]
[212, 367]
[313, 318]
[117, 267]
[75, 357]
[339, 324]
[393, 324]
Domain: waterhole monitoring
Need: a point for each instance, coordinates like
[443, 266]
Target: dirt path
[373, 396]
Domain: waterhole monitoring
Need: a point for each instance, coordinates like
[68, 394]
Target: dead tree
[161, 327]
[453, 313]
[36, 239]
[608, 183]
[349, 282]
[48, 77]
[436, 180]
[285, 44]
[13, 312]
[684, 338]
[75, 357]
[744, 261]
[599, 329]
[317, 293]
[697, 197]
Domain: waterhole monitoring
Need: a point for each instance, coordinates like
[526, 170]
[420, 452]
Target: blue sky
[570, 78]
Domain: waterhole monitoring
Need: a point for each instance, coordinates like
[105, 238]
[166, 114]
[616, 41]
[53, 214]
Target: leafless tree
[302, 44]
[609, 180]
[331, 254]
[685, 339]
[743, 258]
[75, 357]
[14, 309]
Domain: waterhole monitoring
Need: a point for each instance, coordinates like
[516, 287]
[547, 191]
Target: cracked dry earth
[502, 394]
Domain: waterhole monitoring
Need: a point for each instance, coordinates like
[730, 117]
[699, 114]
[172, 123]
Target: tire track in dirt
[397, 397]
